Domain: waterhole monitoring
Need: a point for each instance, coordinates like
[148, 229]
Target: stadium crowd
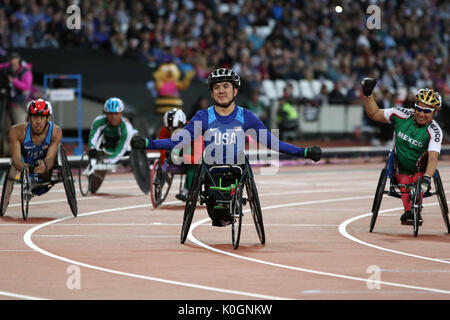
[259, 39]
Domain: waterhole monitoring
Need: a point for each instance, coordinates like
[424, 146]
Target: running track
[318, 245]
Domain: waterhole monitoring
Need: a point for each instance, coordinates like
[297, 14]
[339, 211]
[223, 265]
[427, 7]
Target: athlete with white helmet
[417, 138]
[110, 133]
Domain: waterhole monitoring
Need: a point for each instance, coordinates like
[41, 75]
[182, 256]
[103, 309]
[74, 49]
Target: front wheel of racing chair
[416, 206]
[83, 175]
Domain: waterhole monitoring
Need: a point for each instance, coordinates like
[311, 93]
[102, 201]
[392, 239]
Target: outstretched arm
[266, 138]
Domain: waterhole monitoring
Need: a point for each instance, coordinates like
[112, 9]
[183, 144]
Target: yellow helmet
[429, 97]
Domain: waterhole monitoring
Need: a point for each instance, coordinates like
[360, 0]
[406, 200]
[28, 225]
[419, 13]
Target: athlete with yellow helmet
[417, 138]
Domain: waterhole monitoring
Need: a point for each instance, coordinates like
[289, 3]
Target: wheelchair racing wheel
[191, 203]
[67, 179]
[236, 218]
[255, 207]
[25, 193]
[83, 179]
[442, 199]
[416, 206]
[378, 197]
[159, 184]
[141, 169]
[8, 185]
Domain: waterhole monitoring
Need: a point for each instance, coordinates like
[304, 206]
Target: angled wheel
[67, 179]
[8, 185]
[160, 184]
[255, 207]
[83, 178]
[236, 219]
[378, 197]
[25, 193]
[442, 199]
[191, 203]
[141, 169]
[416, 207]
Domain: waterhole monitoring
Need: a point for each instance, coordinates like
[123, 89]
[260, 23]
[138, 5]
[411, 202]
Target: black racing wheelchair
[92, 170]
[33, 185]
[415, 191]
[221, 188]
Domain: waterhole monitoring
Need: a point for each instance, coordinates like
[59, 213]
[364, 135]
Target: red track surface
[318, 244]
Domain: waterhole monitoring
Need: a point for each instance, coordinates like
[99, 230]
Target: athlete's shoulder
[100, 118]
[435, 131]
[18, 130]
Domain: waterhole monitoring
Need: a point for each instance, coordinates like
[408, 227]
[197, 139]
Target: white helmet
[174, 118]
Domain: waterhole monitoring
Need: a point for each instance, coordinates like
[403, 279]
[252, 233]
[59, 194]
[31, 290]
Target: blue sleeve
[184, 137]
[266, 138]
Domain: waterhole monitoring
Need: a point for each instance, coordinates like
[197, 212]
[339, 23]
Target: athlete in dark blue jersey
[224, 126]
[35, 143]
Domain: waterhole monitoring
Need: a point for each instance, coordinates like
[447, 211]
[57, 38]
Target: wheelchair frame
[28, 184]
[246, 181]
[416, 200]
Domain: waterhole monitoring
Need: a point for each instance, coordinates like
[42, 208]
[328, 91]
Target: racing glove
[138, 142]
[367, 85]
[425, 183]
[313, 153]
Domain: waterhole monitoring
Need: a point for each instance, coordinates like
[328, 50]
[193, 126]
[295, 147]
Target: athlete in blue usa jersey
[224, 127]
[35, 143]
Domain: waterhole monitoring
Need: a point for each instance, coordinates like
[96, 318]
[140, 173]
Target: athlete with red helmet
[35, 143]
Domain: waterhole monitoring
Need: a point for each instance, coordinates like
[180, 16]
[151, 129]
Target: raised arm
[370, 106]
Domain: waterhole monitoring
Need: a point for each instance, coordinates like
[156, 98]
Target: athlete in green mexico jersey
[417, 138]
[110, 133]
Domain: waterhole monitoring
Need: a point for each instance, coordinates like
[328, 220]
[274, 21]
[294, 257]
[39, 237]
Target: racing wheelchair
[92, 170]
[162, 176]
[415, 192]
[221, 189]
[33, 185]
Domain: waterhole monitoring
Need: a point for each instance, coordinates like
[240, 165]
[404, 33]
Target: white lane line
[343, 231]
[30, 243]
[19, 296]
[201, 244]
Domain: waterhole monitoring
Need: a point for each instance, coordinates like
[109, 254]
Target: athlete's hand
[367, 85]
[41, 168]
[313, 153]
[138, 142]
[425, 183]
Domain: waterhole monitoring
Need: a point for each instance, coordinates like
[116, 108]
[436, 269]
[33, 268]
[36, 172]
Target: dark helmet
[224, 75]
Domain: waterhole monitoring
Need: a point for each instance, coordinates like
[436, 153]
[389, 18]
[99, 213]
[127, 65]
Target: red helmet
[39, 107]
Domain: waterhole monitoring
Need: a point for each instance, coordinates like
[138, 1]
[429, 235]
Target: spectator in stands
[282, 36]
[337, 95]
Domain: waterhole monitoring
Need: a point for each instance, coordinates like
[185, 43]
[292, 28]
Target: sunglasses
[424, 110]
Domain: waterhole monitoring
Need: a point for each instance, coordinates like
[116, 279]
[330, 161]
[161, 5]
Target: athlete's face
[38, 123]
[114, 119]
[223, 93]
[422, 116]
